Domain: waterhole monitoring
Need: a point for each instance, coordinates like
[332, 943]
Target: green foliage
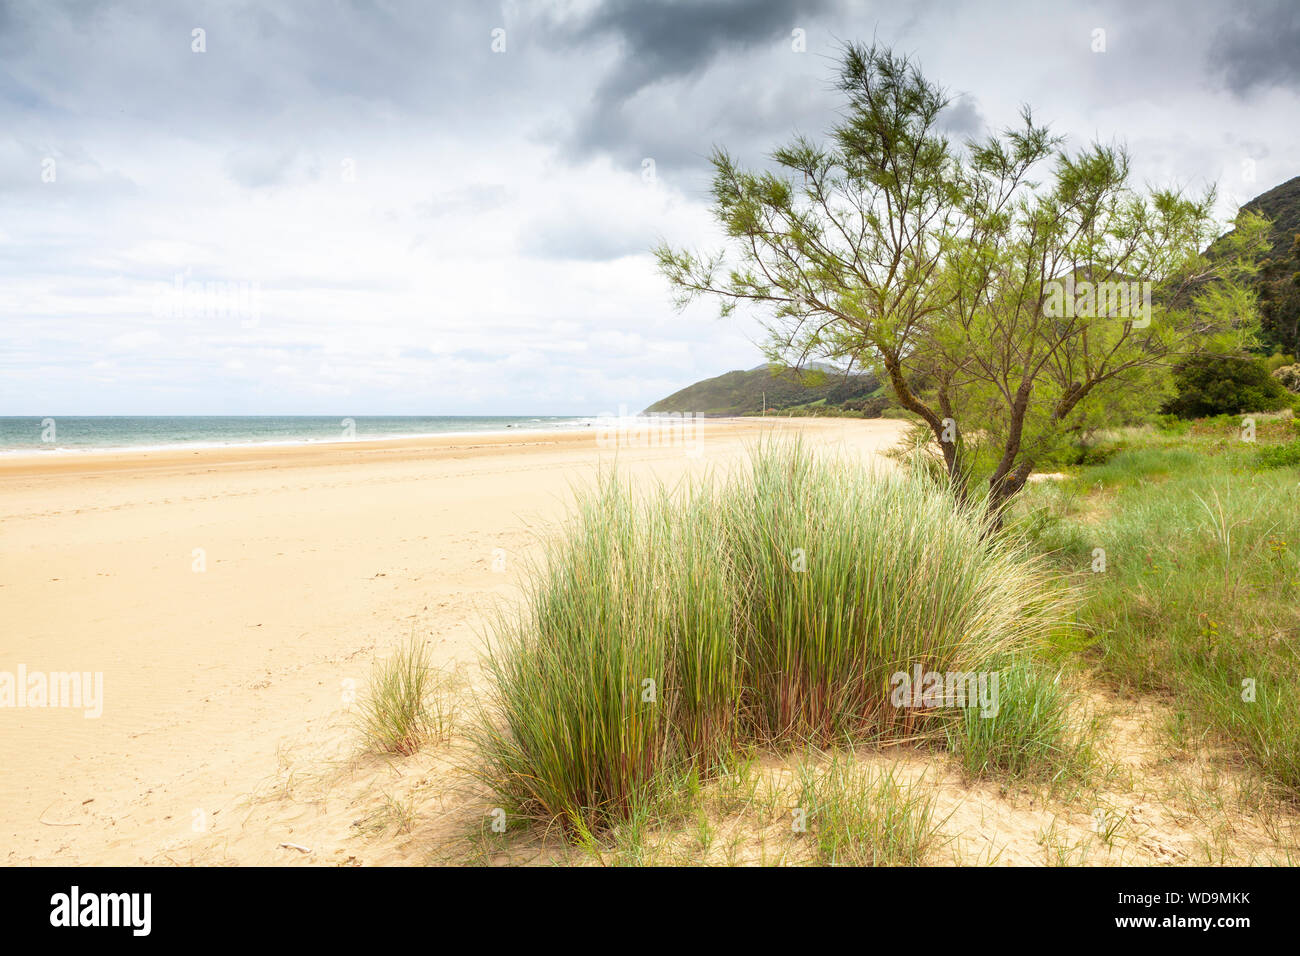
[1279, 275]
[1225, 385]
[1279, 456]
[1173, 425]
[1277, 282]
[1199, 598]
[942, 270]
[667, 629]
[776, 389]
[1278, 360]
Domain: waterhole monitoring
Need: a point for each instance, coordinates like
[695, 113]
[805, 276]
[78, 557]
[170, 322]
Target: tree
[998, 310]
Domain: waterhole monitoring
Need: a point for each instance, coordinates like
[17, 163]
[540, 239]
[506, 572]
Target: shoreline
[355, 451]
[29, 453]
[595, 425]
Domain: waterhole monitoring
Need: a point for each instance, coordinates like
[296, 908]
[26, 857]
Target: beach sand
[234, 599]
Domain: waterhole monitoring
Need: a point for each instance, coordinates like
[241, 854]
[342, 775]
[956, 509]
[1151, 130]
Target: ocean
[83, 433]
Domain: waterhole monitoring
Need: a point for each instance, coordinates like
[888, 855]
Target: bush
[664, 630]
[1210, 385]
[1173, 425]
[1279, 456]
[872, 407]
[1077, 451]
[1289, 377]
[1278, 360]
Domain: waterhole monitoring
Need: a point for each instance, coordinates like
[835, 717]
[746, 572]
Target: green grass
[664, 630]
[1039, 729]
[1200, 596]
[864, 818]
[1279, 456]
[620, 667]
[406, 703]
[894, 575]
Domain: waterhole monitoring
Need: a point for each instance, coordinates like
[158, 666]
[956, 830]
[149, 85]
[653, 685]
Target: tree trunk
[953, 460]
[1003, 490]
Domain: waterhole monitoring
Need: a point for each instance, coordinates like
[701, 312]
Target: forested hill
[1282, 205]
[807, 391]
[1278, 283]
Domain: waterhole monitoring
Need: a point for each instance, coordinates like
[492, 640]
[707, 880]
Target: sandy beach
[233, 600]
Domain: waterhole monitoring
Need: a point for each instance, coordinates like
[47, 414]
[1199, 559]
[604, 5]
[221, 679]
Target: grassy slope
[1186, 548]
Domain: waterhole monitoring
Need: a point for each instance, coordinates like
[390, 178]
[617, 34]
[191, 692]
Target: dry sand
[316, 558]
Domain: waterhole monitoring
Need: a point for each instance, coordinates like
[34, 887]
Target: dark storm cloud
[268, 68]
[671, 40]
[660, 47]
[1260, 47]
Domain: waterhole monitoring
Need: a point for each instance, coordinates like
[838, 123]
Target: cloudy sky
[446, 208]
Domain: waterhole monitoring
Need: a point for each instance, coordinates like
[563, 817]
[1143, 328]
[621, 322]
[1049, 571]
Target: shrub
[1225, 385]
[1279, 456]
[1278, 360]
[1173, 425]
[1289, 377]
[664, 630]
[872, 407]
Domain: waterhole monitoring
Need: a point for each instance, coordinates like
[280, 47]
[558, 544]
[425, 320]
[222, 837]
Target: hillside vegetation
[818, 389]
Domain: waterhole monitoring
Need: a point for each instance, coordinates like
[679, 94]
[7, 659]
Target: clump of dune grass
[620, 668]
[405, 704]
[848, 577]
[859, 817]
[663, 630]
[1035, 731]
